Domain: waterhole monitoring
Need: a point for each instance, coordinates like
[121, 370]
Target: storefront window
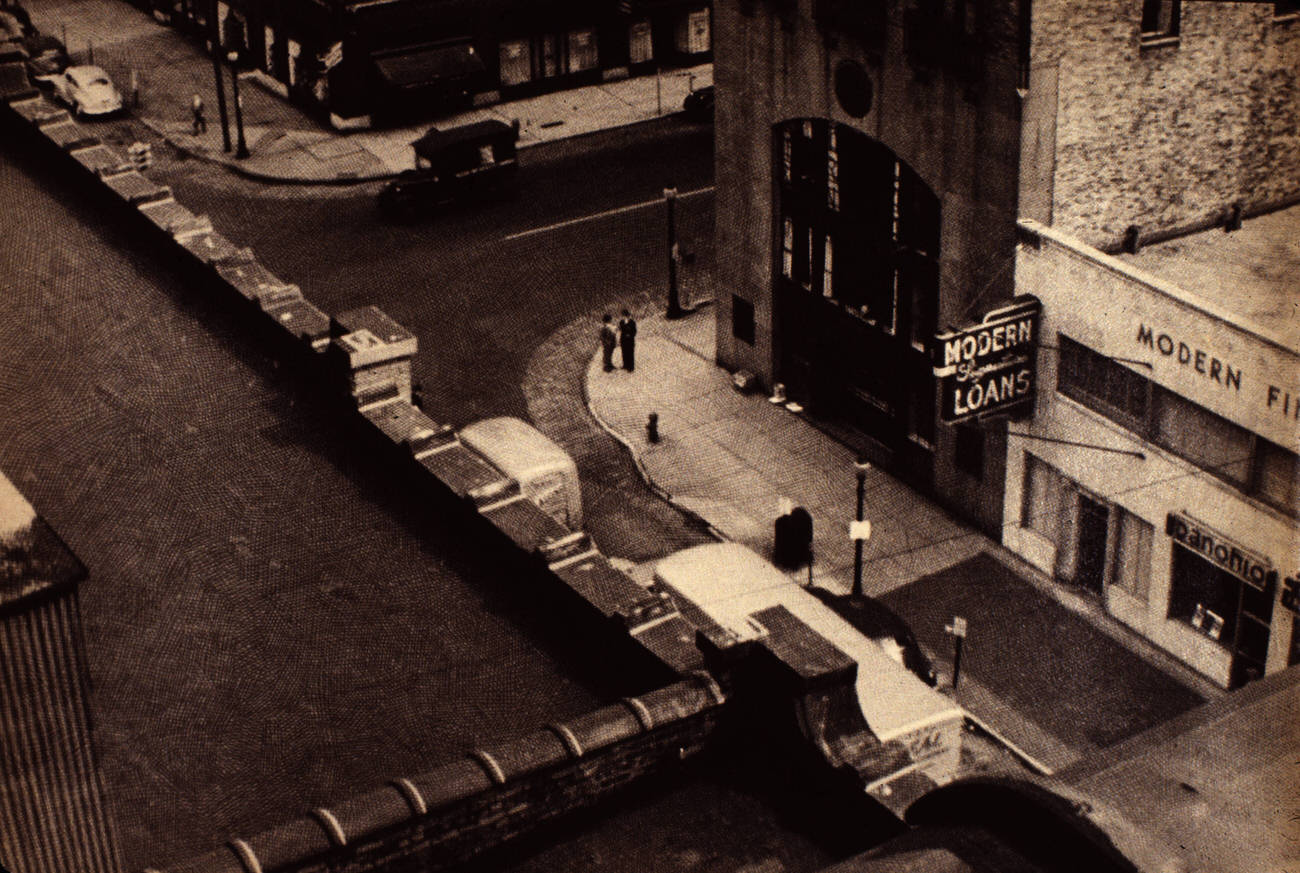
[582, 50]
[1040, 509]
[639, 45]
[1209, 441]
[516, 62]
[1204, 596]
[693, 32]
[1132, 570]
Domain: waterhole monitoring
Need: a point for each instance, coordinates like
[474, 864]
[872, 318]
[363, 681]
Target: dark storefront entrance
[1225, 607]
[857, 284]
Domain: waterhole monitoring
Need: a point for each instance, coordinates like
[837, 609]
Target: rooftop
[1218, 781]
[32, 557]
[1251, 275]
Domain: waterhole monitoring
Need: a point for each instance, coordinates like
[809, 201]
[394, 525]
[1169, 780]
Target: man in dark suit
[607, 342]
[627, 340]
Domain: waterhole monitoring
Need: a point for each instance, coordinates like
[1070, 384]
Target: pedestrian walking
[200, 123]
[627, 340]
[607, 342]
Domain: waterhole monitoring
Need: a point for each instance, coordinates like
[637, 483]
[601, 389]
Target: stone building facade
[873, 158]
[1163, 130]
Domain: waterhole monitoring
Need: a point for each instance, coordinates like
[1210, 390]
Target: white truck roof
[729, 582]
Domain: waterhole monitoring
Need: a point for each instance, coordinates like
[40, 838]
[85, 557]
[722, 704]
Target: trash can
[792, 538]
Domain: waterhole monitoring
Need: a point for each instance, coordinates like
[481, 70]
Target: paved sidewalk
[286, 144]
[733, 459]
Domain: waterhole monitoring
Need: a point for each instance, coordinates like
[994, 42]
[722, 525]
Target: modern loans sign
[989, 367]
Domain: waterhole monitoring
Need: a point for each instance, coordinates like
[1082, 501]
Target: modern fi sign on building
[989, 367]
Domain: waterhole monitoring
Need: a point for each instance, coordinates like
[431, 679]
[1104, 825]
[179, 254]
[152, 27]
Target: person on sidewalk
[607, 342]
[627, 340]
[200, 123]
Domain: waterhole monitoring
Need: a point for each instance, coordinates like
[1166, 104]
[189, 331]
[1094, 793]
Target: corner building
[1158, 473]
[867, 186]
[890, 173]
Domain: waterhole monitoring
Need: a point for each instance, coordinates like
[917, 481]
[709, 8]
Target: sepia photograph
[650, 436]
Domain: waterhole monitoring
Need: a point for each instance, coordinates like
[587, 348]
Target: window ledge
[1286, 17]
[1158, 40]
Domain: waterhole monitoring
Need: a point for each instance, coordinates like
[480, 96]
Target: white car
[87, 90]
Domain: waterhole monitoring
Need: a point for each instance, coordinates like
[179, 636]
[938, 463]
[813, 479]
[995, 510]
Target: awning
[427, 66]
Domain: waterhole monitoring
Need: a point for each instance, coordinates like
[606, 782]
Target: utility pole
[216, 74]
[674, 302]
[861, 466]
[241, 149]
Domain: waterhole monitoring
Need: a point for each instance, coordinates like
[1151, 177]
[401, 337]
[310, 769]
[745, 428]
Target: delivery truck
[545, 472]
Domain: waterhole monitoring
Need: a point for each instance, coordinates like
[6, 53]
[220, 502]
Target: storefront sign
[989, 367]
[1246, 565]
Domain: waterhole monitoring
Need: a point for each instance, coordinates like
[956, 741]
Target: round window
[853, 88]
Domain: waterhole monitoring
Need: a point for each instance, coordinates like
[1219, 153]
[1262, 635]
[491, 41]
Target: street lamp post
[216, 74]
[861, 466]
[241, 149]
[674, 302]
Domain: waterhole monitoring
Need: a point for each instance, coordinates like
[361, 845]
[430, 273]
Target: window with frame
[1098, 381]
[1040, 503]
[1131, 570]
[1160, 18]
[1231, 453]
[582, 50]
[1209, 441]
[742, 319]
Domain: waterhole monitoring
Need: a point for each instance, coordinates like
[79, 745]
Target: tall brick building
[887, 173]
[873, 159]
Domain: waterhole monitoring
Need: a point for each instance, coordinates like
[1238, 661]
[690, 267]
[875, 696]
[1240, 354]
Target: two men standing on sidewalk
[625, 340]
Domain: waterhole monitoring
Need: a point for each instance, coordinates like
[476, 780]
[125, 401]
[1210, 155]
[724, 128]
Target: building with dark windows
[867, 182]
[917, 205]
[368, 61]
[1159, 471]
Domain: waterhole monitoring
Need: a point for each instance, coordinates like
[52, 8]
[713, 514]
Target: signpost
[989, 367]
[958, 631]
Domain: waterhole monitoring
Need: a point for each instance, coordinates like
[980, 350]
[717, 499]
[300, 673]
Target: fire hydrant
[652, 428]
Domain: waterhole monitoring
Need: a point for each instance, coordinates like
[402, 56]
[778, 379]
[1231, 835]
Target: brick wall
[1166, 135]
[442, 818]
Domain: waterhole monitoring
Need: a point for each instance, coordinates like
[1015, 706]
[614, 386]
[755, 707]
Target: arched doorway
[856, 284]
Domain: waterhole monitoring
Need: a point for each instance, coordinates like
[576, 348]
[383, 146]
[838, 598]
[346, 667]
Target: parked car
[698, 105]
[454, 163]
[877, 621]
[47, 58]
[87, 90]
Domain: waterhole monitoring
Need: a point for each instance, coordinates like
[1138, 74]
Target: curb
[242, 170]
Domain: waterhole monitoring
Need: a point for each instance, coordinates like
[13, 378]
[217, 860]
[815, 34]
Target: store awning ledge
[424, 66]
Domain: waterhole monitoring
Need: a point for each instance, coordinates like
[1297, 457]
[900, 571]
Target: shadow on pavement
[1050, 665]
